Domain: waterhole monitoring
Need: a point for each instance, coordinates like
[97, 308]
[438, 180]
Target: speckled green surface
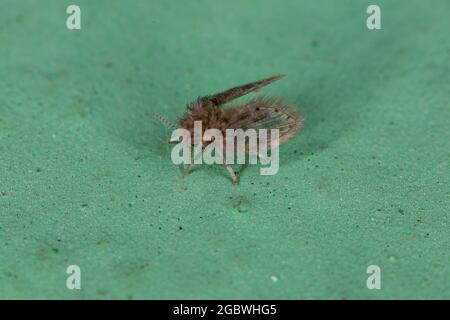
[86, 178]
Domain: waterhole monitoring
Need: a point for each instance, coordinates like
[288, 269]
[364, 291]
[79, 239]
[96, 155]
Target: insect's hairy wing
[267, 113]
[221, 98]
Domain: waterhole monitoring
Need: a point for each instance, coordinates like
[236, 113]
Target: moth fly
[258, 113]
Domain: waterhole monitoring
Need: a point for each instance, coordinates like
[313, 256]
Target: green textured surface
[87, 179]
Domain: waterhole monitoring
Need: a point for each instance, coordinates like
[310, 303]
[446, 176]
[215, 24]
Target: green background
[86, 178]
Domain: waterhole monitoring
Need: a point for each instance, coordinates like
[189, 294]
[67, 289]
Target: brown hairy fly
[261, 112]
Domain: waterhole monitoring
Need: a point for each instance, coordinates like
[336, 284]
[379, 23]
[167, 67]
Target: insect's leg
[230, 170]
[189, 166]
[232, 173]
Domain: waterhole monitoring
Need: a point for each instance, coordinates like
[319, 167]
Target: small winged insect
[259, 113]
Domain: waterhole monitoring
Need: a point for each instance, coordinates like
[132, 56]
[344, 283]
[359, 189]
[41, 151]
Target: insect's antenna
[167, 123]
[236, 92]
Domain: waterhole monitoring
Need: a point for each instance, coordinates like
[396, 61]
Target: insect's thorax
[210, 117]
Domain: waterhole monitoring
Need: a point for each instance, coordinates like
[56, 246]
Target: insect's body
[258, 113]
[211, 117]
